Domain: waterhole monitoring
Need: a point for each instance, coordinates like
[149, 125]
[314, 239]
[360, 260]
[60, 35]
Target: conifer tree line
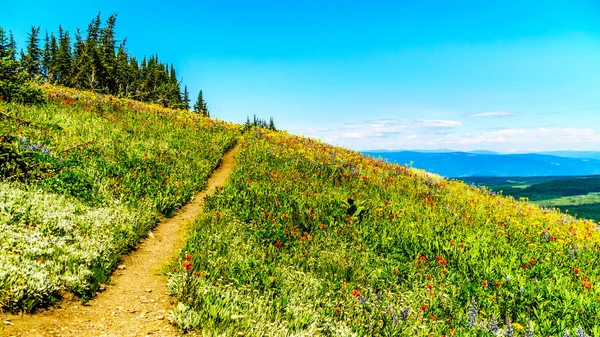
[99, 62]
[262, 123]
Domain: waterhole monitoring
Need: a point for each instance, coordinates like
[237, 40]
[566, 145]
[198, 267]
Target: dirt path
[137, 302]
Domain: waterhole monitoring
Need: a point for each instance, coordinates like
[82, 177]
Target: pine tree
[106, 55]
[12, 46]
[200, 105]
[186, 98]
[205, 110]
[272, 124]
[32, 60]
[3, 43]
[63, 58]
[46, 57]
[53, 68]
[122, 71]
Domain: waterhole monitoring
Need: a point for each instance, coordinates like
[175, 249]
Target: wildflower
[576, 270]
[337, 309]
[188, 257]
[493, 325]
[529, 330]
[566, 334]
[362, 299]
[472, 317]
[321, 225]
[404, 313]
[356, 292]
[580, 332]
[277, 244]
[423, 307]
[509, 329]
[429, 286]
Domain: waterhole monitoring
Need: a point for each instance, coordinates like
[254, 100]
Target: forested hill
[95, 61]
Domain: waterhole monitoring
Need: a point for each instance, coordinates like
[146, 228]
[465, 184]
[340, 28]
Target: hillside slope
[84, 177]
[310, 239]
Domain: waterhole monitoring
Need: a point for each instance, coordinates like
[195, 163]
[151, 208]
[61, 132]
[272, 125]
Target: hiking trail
[136, 302]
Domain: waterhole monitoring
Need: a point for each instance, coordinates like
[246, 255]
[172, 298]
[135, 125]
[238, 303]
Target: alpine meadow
[99, 149]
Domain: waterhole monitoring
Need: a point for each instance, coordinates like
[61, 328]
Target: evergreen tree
[32, 60]
[186, 98]
[107, 57]
[205, 110]
[272, 124]
[12, 46]
[134, 76]
[63, 58]
[78, 45]
[122, 71]
[200, 105]
[46, 57]
[3, 43]
[53, 66]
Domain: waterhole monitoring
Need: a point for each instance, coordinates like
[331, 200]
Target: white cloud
[492, 114]
[438, 134]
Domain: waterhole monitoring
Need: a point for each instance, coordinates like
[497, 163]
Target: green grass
[85, 177]
[308, 239]
[590, 198]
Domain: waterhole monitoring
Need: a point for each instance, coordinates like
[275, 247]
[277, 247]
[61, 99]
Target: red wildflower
[188, 257]
[355, 292]
[423, 307]
[277, 244]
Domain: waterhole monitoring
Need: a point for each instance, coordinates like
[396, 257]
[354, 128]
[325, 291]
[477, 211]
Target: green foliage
[309, 239]
[24, 164]
[95, 62]
[85, 177]
[200, 106]
[261, 123]
[13, 83]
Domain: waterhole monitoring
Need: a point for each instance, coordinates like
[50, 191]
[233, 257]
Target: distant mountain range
[488, 163]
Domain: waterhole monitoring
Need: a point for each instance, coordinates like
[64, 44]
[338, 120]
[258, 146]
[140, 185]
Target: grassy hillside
[83, 177]
[309, 239]
[578, 195]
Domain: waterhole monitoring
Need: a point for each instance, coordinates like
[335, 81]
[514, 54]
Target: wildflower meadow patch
[310, 239]
[85, 176]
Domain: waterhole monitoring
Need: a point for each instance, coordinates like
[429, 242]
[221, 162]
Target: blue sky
[508, 76]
